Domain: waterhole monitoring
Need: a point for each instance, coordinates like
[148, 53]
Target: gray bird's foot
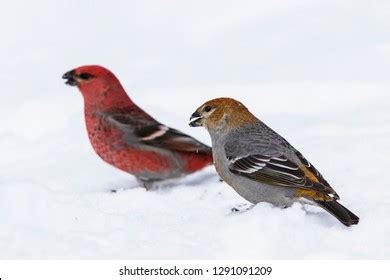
[119, 190]
[242, 208]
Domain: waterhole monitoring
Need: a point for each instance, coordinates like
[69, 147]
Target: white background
[315, 71]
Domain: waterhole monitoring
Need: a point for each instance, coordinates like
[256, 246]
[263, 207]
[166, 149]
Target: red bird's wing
[172, 139]
[151, 132]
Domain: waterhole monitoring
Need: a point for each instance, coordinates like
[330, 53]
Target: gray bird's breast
[251, 190]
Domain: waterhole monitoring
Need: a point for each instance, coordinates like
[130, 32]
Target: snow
[315, 71]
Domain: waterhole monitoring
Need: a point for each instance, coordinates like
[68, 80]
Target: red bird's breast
[109, 143]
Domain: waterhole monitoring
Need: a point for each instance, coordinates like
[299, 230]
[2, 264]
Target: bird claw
[147, 185]
[117, 190]
[241, 208]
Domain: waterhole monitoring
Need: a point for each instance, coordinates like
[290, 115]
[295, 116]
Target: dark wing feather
[312, 169]
[277, 171]
[172, 139]
[151, 132]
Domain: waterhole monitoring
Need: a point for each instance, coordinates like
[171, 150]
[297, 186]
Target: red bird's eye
[86, 76]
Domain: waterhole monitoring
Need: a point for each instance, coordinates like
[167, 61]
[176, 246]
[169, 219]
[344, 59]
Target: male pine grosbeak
[125, 136]
[261, 165]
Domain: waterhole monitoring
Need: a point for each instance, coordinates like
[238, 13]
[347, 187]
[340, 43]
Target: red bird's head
[99, 86]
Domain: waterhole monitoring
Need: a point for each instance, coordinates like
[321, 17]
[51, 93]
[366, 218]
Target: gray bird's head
[221, 113]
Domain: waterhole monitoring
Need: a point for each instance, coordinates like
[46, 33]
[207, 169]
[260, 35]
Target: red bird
[125, 136]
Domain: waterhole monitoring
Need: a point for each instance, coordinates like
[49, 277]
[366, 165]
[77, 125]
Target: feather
[153, 133]
[277, 171]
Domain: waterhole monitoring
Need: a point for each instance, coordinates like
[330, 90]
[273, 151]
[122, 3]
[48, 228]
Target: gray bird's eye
[207, 108]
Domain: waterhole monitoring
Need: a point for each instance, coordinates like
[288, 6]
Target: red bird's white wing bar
[161, 130]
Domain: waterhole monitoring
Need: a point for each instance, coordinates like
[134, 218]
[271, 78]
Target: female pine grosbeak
[126, 137]
[259, 164]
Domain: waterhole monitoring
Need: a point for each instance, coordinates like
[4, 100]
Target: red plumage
[125, 136]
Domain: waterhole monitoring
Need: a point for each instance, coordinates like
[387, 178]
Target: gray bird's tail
[340, 212]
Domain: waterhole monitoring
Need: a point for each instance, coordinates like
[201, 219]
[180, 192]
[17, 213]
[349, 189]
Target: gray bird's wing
[262, 155]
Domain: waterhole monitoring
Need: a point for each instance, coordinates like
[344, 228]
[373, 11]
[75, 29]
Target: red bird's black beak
[70, 77]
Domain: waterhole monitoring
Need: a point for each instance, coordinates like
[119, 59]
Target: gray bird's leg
[242, 207]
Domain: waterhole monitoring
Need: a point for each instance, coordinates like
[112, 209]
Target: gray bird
[261, 165]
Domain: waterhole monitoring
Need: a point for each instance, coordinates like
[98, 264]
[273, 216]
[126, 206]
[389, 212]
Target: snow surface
[315, 71]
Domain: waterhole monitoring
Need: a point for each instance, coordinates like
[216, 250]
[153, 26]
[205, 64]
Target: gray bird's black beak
[196, 120]
[70, 77]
